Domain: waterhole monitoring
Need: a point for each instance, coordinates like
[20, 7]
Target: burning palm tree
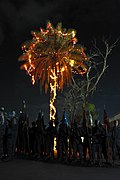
[51, 57]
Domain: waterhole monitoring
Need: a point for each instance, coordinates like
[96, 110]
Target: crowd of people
[59, 140]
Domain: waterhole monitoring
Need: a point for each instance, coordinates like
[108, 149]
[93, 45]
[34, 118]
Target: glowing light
[53, 87]
[51, 57]
[73, 34]
[33, 80]
[62, 69]
[54, 148]
[72, 63]
[82, 138]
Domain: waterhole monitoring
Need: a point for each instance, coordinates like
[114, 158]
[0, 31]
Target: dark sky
[91, 19]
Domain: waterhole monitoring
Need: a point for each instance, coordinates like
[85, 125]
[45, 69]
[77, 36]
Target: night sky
[92, 19]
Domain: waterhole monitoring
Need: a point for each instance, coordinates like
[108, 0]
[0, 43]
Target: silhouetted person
[40, 129]
[77, 141]
[32, 138]
[50, 131]
[2, 131]
[116, 140]
[96, 143]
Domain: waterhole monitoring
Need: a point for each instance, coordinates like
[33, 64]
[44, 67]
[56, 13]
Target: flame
[53, 88]
[52, 56]
[55, 144]
[72, 62]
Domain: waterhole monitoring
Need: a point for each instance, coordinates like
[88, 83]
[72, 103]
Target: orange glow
[51, 57]
[53, 86]
[55, 150]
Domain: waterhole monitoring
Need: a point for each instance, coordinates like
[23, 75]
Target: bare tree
[84, 87]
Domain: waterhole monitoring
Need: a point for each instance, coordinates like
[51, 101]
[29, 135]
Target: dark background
[91, 18]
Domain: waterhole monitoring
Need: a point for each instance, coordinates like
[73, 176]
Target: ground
[20, 169]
